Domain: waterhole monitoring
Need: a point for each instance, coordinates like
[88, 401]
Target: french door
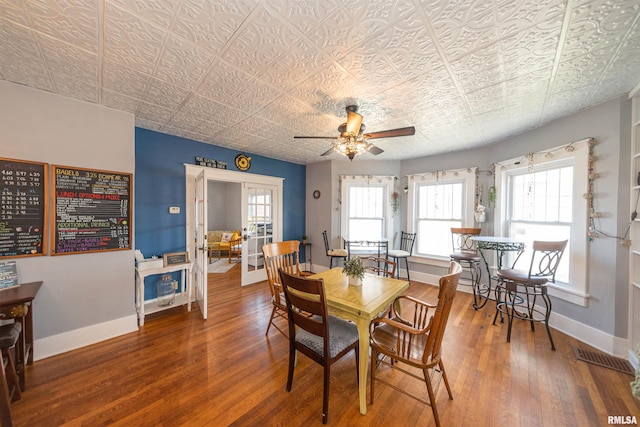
[260, 213]
[201, 251]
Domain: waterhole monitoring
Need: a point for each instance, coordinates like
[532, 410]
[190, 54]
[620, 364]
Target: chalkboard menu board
[23, 192]
[92, 210]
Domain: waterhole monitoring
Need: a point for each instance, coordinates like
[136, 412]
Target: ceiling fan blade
[316, 137]
[354, 121]
[329, 151]
[375, 150]
[391, 133]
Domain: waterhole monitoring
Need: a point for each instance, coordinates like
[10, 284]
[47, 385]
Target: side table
[14, 304]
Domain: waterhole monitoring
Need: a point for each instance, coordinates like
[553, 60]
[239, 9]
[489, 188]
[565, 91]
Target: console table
[14, 304]
[148, 268]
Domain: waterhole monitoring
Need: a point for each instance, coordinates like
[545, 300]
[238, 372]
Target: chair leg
[273, 313]
[11, 373]
[406, 262]
[547, 301]
[325, 393]
[292, 362]
[446, 381]
[5, 405]
[510, 300]
[432, 397]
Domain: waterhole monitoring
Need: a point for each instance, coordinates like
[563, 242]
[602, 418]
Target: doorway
[260, 218]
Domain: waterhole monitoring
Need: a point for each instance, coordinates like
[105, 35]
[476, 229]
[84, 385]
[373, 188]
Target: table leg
[140, 299]
[482, 292]
[363, 333]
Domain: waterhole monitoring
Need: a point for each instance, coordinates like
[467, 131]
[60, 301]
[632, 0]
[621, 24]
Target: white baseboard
[61, 343]
[603, 341]
[67, 341]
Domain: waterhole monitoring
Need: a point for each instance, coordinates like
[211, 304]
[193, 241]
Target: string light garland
[593, 229]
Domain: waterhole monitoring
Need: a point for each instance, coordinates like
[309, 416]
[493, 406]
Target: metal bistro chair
[404, 252]
[517, 291]
[466, 254]
[333, 253]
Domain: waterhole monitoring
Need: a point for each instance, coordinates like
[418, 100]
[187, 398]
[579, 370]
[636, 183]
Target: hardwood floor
[181, 370]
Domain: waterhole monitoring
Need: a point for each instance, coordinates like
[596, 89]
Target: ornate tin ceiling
[251, 74]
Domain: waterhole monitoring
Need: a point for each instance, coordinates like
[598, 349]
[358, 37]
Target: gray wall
[608, 260]
[324, 213]
[79, 290]
[224, 206]
[608, 123]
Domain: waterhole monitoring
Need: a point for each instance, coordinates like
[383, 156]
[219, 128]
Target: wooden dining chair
[9, 382]
[380, 266]
[235, 248]
[412, 342]
[285, 255]
[517, 291]
[313, 332]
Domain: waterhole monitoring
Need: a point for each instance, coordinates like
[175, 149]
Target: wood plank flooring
[180, 370]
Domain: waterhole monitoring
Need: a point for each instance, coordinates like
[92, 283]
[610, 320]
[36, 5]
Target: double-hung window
[366, 213]
[437, 202]
[540, 198]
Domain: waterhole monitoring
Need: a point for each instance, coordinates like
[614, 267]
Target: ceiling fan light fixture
[350, 146]
[352, 141]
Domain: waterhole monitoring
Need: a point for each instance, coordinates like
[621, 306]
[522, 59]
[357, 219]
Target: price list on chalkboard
[92, 210]
[22, 208]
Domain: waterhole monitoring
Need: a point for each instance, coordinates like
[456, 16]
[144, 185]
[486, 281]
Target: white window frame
[576, 290]
[347, 181]
[466, 176]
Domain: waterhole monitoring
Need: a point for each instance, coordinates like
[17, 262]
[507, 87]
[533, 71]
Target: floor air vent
[604, 360]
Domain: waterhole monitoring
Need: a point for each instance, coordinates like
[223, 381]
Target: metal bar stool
[517, 291]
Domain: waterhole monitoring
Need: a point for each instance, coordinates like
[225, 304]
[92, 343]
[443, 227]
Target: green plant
[304, 237]
[354, 267]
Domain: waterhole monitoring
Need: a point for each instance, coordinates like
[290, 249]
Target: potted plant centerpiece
[304, 239]
[354, 269]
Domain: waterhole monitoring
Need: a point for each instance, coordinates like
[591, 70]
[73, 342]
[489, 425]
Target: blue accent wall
[160, 183]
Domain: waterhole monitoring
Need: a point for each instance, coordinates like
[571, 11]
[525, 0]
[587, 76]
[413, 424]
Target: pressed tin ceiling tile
[232, 72]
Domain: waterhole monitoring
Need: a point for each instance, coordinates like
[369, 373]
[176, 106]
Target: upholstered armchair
[219, 241]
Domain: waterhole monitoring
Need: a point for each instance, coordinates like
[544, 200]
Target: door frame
[223, 175]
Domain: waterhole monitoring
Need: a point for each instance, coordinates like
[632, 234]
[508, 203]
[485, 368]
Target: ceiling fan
[353, 141]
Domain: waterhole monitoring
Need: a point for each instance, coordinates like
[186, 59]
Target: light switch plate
[174, 209]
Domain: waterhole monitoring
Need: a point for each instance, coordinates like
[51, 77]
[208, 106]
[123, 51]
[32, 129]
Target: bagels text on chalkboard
[92, 210]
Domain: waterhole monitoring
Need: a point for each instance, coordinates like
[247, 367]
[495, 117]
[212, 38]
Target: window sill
[562, 291]
[436, 261]
[559, 290]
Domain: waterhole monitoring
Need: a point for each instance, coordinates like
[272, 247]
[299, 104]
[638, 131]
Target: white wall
[85, 298]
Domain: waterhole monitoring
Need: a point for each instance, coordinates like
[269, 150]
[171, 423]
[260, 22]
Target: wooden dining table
[360, 304]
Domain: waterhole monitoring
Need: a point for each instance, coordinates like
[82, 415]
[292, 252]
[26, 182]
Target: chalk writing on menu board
[22, 209]
[92, 210]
